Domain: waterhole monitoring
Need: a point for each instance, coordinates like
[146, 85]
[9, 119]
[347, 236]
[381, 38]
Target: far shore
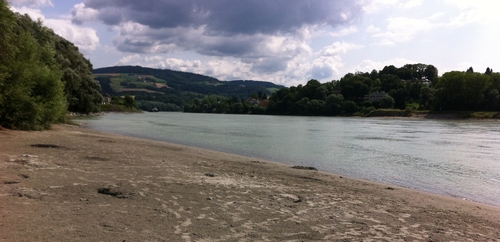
[414, 114]
[76, 184]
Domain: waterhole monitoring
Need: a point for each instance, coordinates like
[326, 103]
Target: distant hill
[173, 87]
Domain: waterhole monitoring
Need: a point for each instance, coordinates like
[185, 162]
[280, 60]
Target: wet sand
[77, 184]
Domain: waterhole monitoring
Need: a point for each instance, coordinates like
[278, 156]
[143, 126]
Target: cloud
[412, 4]
[33, 13]
[345, 31]
[36, 3]
[373, 6]
[214, 28]
[240, 39]
[474, 11]
[325, 67]
[82, 14]
[130, 60]
[227, 16]
[401, 29]
[338, 48]
[369, 65]
[328, 61]
[84, 38]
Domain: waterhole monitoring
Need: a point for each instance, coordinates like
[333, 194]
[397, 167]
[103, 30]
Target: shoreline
[466, 193]
[74, 183]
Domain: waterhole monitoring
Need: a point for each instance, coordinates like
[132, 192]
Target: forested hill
[170, 90]
[42, 75]
[167, 75]
[187, 81]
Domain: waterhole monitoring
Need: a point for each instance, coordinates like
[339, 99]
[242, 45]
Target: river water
[459, 158]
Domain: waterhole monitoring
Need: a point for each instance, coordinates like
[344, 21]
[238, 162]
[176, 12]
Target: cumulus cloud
[412, 4]
[227, 16]
[224, 27]
[82, 14]
[369, 65]
[245, 39]
[130, 59]
[84, 38]
[345, 31]
[328, 61]
[372, 6]
[474, 11]
[401, 29]
[338, 48]
[31, 2]
[33, 13]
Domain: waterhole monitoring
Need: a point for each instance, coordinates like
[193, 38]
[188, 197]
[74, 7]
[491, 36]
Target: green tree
[315, 107]
[426, 96]
[386, 102]
[81, 90]
[355, 86]
[449, 94]
[390, 82]
[83, 93]
[349, 107]
[431, 73]
[333, 105]
[462, 90]
[129, 101]
[31, 93]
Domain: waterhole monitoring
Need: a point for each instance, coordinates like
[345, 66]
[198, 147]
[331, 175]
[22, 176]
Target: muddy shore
[77, 184]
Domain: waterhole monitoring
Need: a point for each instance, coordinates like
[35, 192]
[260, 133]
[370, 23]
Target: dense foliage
[470, 91]
[413, 86]
[83, 93]
[33, 76]
[31, 93]
[220, 104]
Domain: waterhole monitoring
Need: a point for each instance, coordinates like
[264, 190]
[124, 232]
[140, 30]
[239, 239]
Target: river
[459, 158]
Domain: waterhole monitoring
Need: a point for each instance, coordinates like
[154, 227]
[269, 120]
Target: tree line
[220, 104]
[42, 75]
[410, 87]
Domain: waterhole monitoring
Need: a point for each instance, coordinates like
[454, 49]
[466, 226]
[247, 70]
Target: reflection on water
[452, 157]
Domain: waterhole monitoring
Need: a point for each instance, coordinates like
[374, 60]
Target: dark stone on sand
[114, 192]
[46, 146]
[305, 168]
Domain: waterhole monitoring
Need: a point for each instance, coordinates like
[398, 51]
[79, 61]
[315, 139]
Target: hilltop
[173, 89]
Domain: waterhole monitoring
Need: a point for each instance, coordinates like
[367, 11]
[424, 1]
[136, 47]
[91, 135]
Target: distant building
[259, 102]
[375, 96]
[106, 98]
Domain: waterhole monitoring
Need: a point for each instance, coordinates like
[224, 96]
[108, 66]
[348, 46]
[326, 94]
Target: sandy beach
[76, 184]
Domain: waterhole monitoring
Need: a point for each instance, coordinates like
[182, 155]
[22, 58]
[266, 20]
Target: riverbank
[433, 114]
[76, 184]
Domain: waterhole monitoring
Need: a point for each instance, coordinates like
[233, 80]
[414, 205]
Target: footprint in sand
[177, 215]
[186, 223]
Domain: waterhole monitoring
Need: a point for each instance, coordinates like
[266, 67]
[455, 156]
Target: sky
[281, 41]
